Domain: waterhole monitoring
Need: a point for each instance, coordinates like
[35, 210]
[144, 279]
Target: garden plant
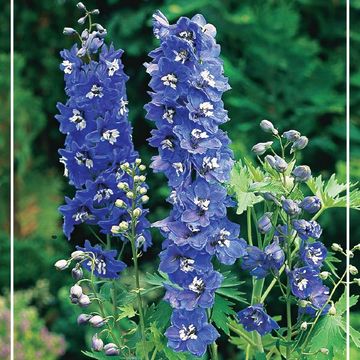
[205, 257]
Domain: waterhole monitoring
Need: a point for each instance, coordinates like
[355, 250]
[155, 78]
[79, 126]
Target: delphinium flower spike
[103, 167]
[188, 82]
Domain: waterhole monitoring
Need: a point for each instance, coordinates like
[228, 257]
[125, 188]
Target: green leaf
[341, 304]
[331, 192]
[221, 310]
[127, 311]
[99, 355]
[230, 293]
[159, 314]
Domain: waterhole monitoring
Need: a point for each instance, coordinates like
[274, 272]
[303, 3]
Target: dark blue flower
[264, 223]
[255, 318]
[190, 331]
[303, 280]
[291, 207]
[311, 204]
[318, 297]
[306, 229]
[274, 256]
[313, 254]
[103, 263]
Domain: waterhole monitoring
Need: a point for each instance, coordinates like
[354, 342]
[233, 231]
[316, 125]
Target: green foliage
[220, 312]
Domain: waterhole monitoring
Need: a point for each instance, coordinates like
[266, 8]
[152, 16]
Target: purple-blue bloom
[255, 318]
[311, 204]
[307, 229]
[303, 280]
[318, 298]
[190, 331]
[313, 254]
[103, 262]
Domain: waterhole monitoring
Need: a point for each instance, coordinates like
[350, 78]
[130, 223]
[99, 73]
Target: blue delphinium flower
[255, 318]
[306, 229]
[103, 263]
[303, 280]
[318, 297]
[313, 254]
[190, 331]
[187, 84]
[98, 135]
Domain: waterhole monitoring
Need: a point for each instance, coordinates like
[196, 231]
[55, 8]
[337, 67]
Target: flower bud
[76, 291]
[144, 199]
[260, 148]
[136, 178]
[62, 265]
[120, 203]
[84, 300]
[81, 6]
[357, 281]
[324, 351]
[95, 12]
[311, 204]
[69, 31]
[353, 270]
[96, 343]
[142, 178]
[125, 166]
[304, 326]
[77, 255]
[291, 135]
[143, 191]
[332, 310]
[350, 254]
[97, 321]
[115, 229]
[304, 303]
[270, 160]
[140, 240]
[137, 212]
[280, 164]
[299, 144]
[83, 319]
[336, 247]
[302, 173]
[356, 247]
[130, 195]
[77, 273]
[82, 20]
[138, 161]
[290, 207]
[268, 127]
[324, 275]
[111, 349]
[264, 223]
[124, 225]
[142, 167]
[122, 186]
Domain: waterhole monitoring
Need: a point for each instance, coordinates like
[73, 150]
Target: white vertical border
[348, 176]
[12, 179]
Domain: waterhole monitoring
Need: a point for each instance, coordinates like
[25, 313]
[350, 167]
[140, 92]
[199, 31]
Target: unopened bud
[303, 303]
[357, 281]
[111, 349]
[77, 255]
[353, 270]
[122, 186]
[143, 191]
[120, 203]
[138, 161]
[137, 212]
[350, 254]
[136, 178]
[62, 265]
[130, 195]
[356, 247]
[280, 164]
[260, 148]
[83, 319]
[140, 240]
[97, 321]
[144, 199]
[270, 160]
[324, 351]
[81, 6]
[336, 247]
[302, 173]
[304, 326]
[268, 127]
[264, 223]
[82, 20]
[77, 273]
[96, 343]
[95, 12]
[291, 135]
[69, 31]
[76, 291]
[115, 229]
[142, 167]
[332, 310]
[291, 207]
[124, 225]
[142, 178]
[324, 275]
[311, 204]
[299, 144]
[84, 300]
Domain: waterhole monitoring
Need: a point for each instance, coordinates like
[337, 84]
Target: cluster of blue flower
[188, 82]
[98, 149]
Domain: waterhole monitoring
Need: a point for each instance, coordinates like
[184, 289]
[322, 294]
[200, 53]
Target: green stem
[241, 334]
[288, 292]
[253, 213]
[249, 231]
[213, 346]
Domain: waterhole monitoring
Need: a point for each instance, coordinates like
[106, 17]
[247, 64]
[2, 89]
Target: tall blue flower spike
[187, 84]
[98, 144]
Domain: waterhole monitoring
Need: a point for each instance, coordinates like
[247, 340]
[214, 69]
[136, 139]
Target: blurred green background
[285, 61]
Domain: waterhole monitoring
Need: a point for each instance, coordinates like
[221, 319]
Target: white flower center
[173, 197]
[302, 284]
[63, 161]
[179, 168]
[78, 120]
[188, 332]
[206, 109]
[100, 266]
[123, 107]
[169, 115]
[103, 194]
[113, 66]
[223, 238]
[82, 216]
[81, 159]
[186, 35]
[198, 134]
[111, 136]
[96, 91]
[197, 285]
[203, 204]
[167, 144]
[210, 163]
[186, 264]
[181, 56]
[193, 228]
[68, 66]
[169, 80]
[208, 78]
[315, 255]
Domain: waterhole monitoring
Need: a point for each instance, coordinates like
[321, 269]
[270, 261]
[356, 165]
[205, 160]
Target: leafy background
[285, 61]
